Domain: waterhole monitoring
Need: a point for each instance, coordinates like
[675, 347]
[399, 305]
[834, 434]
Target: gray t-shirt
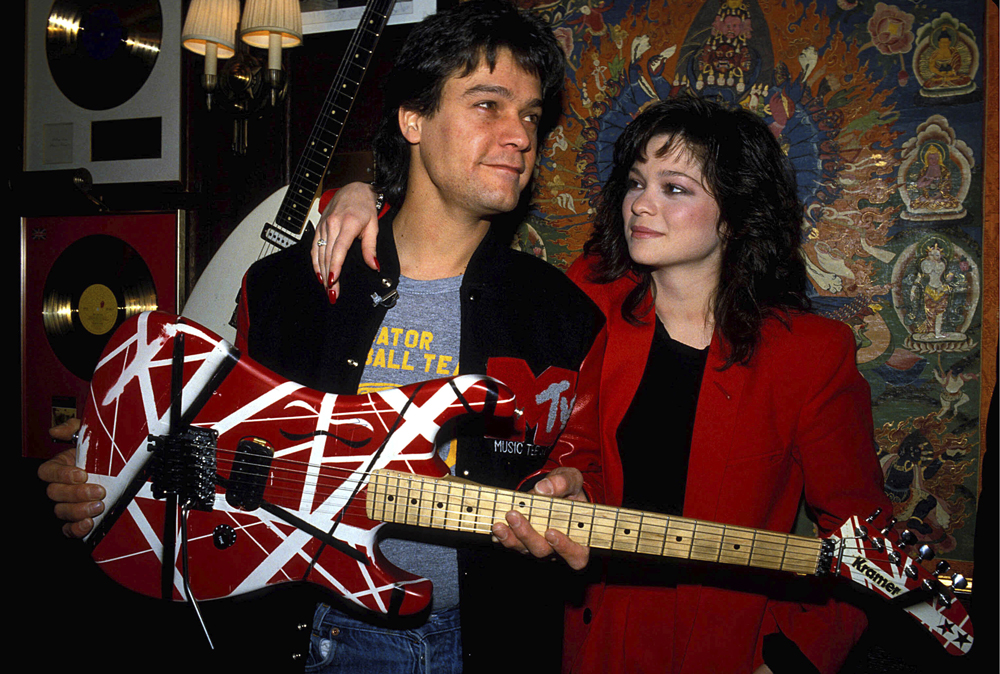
[419, 339]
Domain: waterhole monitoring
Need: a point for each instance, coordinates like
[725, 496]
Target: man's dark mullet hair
[744, 168]
[452, 43]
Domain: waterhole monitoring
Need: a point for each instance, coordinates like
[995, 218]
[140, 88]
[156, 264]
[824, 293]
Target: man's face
[474, 155]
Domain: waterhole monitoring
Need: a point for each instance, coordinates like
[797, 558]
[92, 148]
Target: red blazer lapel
[715, 428]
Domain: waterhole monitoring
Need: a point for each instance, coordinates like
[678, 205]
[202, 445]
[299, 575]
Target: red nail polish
[329, 283]
[378, 267]
[332, 295]
[319, 278]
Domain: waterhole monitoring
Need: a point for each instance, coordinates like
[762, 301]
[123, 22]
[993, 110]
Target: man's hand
[77, 502]
[350, 215]
[518, 535]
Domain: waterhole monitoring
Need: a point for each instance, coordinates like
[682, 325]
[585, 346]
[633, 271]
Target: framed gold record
[100, 54]
[92, 288]
[103, 88]
[82, 277]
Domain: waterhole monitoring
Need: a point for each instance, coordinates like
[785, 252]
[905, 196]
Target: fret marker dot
[440, 505]
[391, 498]
[736, 547]
[579, 524]
[413, 501]
[680, 538]
[520, 503]
[468, 509]
[628, 531]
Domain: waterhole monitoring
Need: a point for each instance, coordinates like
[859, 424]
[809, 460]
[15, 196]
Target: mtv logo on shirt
[546, 401]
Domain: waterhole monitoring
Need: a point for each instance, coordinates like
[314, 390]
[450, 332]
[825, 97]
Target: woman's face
[671, 220]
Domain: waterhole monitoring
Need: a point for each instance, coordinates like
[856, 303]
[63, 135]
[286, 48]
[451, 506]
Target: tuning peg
[861, 532]
[888, 526]
[926, 553]
[944, 599]
[895, 558]
[871, 518]
[942, 567]
[958, 581]
[878, 544]
[907, 538]
[911, 571]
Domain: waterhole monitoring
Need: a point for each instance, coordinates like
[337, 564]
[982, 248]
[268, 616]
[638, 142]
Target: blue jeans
[341, 643]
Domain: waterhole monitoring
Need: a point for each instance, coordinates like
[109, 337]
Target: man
[455, 149]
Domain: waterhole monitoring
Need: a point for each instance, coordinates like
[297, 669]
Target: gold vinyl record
[93, 287]
[101, 53]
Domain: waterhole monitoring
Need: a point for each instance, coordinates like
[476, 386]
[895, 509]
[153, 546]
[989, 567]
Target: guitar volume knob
[224, 536]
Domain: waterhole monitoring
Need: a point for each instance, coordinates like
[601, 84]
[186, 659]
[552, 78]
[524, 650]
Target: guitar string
[705, 536]
[661, 525]
[703, 533]
[479, 520]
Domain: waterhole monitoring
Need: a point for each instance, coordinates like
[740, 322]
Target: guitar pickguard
[324, 449]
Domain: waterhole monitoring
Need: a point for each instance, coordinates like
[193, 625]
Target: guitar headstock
[881, 561]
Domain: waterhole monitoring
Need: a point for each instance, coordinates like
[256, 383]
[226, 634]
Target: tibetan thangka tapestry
[880, 108]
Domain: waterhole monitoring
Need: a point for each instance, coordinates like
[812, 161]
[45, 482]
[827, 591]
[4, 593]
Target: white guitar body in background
[214, 296]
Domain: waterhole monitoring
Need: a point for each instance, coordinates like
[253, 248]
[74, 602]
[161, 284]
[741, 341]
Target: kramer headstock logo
[877, 577]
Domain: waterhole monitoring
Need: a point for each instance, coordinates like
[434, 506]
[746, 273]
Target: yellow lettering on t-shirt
[383, 337]
[379, 358]
[425, 340]
[389, 364]
[429, 357]
[396, 332]
[406, 357]
[442, 367]
[411, 338]
[369, 361]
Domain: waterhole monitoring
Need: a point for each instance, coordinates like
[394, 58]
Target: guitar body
[213, 298]
[324, 448]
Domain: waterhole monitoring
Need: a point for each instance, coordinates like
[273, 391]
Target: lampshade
[262, 18]
[212, 21]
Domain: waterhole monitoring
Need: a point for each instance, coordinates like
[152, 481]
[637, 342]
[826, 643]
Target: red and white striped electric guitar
[223, 478]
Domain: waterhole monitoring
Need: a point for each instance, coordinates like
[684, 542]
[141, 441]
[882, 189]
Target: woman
[695, 261]
[720, 399]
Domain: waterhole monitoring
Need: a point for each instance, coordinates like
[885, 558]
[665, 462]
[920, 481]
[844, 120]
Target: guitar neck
[403, 498]
[309, 172]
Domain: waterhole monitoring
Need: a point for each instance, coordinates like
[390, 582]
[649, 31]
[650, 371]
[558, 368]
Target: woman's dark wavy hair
[754, 186]
[452, 43]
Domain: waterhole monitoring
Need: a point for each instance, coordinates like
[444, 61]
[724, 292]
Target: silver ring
[320, 243]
